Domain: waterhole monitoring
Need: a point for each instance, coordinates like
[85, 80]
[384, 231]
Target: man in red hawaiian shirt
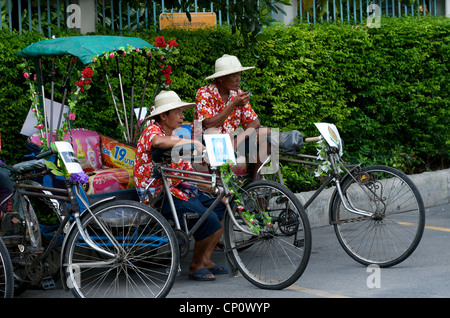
[168, 116]
[223, 106]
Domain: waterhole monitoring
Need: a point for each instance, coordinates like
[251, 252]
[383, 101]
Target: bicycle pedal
[191, 216]
[48, 283]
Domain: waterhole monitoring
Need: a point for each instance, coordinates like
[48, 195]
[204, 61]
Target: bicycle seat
[25, 166]
[289, 142]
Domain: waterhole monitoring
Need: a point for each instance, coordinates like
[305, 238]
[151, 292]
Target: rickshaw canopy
[85, 48]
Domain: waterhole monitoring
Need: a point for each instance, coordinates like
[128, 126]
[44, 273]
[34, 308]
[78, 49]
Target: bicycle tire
[278, 256]
[6, 273]
[145, 265]
[394, 231]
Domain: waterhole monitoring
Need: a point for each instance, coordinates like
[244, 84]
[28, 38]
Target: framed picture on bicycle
[219, 149]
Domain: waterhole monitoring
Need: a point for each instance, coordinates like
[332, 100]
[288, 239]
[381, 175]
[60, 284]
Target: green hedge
[386, 89]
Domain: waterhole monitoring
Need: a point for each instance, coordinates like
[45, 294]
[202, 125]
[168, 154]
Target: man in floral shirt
[168, 116]
[223, 106]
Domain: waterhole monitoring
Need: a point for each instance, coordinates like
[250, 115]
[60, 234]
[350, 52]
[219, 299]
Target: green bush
[386, 89]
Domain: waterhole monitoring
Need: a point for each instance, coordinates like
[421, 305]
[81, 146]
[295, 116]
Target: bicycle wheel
[394, 230]
[6, 272]
[145, 252]
[277, 256]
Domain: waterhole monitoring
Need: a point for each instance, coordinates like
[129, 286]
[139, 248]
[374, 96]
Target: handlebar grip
[314, 139]
[46, 154]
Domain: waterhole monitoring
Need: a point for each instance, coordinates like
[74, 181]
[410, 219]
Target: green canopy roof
[85, 48]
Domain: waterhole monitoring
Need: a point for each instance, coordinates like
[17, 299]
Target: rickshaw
[49, 183]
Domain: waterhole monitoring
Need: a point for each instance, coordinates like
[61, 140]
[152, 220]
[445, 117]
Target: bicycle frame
[333, 176]
[212, 180]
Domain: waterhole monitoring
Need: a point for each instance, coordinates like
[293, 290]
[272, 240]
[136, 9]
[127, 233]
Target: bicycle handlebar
[46, 154]
[314, 139]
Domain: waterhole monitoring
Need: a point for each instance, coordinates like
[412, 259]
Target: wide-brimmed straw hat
[227, 64]
[167, 100]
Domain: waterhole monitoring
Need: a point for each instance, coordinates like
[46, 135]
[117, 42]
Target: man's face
[231, 81]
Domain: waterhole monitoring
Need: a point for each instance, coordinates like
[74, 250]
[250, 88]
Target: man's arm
[248, 130]
[166, 142]
[217, 120]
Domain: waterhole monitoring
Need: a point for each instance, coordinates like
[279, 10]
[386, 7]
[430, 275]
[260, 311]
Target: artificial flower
[87, 73]
[160, 42]
[80, 177]
[172, 43]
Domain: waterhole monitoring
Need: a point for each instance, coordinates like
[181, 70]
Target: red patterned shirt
[208, 103]
[143, 165]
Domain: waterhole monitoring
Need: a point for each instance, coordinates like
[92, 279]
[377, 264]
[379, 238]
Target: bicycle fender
[61, 267]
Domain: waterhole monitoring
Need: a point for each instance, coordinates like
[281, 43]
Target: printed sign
[331, 134]
[68, 157]
[199, 20]
[219, 149]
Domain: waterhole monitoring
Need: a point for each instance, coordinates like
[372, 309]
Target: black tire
[394, 231]
[146, 260]
[278, 256]
[6, 273]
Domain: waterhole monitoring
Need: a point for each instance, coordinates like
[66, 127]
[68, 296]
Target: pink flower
[150, 54]
[26, 75]
[240, 207]
[111, 55]
[34, 110]
[137, 50]
[124, 53]
[72, 116]
[252, 221]
[40, 126]
[34, 77]
[269, 224]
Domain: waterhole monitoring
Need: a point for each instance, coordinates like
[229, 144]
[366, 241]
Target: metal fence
[119, 16]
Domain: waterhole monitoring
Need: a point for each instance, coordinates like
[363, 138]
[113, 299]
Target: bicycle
[377, 211]
[276, 255]
[112, 248]
[6, 273]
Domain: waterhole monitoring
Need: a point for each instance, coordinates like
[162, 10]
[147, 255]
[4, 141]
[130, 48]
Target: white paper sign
[219, 149]
[68, 156]
[29, 126]
[331, 134]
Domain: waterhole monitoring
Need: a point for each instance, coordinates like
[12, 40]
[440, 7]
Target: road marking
[437, 228]
[429, 227]
[315, 292]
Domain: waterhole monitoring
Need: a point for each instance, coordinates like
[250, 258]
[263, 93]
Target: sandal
[218, 269]
[201, 274]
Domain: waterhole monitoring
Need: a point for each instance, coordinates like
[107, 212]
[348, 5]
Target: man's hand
[241, 100]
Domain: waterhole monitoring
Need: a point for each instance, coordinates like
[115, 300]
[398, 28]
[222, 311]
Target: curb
[434, 188]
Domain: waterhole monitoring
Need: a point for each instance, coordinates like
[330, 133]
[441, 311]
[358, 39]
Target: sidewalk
[433, 186]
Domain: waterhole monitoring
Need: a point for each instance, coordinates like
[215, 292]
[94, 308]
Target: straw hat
[228, 64]
[167, 100]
